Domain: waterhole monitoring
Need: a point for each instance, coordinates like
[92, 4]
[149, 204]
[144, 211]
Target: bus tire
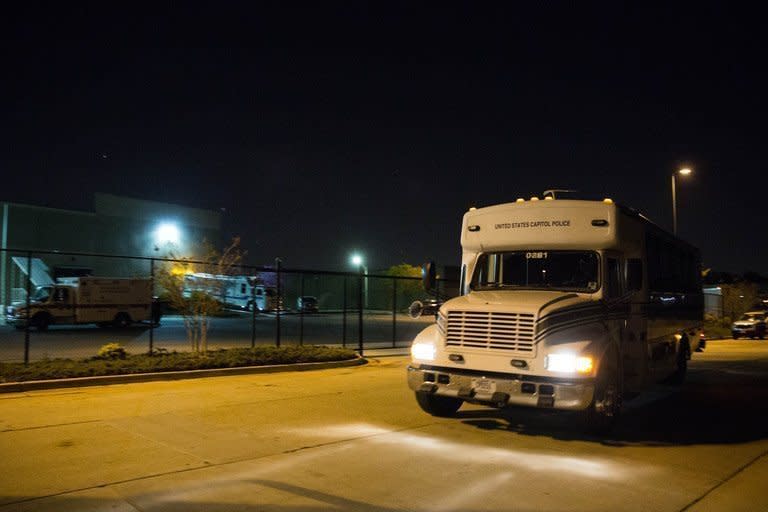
[442, 406]
[601, 415]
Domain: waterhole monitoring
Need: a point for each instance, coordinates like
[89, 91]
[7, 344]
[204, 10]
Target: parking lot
[234, 330]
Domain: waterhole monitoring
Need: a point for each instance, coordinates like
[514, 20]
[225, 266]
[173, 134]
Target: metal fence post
[153, 305]
[344, 317]
[301, 312]
[253, 318]
[29, 320]
[278, 306]
[360, 312]
[394, 311]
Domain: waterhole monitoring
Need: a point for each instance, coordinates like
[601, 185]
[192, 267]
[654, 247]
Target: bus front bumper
[501, 389]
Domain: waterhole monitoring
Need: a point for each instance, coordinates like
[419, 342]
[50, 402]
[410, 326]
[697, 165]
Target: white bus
[565, 304]
[233, 291]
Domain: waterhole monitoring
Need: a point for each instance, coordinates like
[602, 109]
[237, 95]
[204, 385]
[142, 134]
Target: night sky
[325, 128]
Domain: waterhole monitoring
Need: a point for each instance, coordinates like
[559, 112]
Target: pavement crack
[53, 425]
[724, 481]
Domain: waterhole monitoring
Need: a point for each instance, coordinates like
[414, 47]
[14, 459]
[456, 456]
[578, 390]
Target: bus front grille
[509, 332]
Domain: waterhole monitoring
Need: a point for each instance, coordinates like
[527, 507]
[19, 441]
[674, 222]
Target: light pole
[358, 262]
[685, 171]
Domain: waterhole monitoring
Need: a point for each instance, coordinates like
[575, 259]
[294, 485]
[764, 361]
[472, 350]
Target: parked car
[751, 324]
[307, 304]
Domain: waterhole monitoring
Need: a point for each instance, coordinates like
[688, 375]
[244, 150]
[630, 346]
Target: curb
[102, 380]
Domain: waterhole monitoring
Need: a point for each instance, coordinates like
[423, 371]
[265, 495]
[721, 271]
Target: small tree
[738, 298]
[197, 303]
[408, 290]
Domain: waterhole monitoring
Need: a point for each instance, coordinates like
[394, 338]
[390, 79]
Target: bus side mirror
[634, 275]
[429, 275]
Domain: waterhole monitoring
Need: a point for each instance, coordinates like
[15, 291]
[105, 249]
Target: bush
[112, 351]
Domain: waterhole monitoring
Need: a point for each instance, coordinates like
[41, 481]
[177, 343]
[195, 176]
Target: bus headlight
[569, 363]
[423, 351]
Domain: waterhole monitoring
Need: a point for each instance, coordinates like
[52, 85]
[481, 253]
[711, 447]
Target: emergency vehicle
[84, 300]
[233, 291]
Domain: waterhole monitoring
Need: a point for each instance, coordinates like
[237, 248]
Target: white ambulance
[565, 304]
[83, 300]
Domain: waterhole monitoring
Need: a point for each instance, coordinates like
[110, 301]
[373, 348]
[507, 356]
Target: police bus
[565, 304]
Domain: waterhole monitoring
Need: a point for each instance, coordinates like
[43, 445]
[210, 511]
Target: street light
[357, 261]
[167, 236]
[685, 171]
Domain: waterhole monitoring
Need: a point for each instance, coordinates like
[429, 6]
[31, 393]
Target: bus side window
[614, 278]
[634, 274]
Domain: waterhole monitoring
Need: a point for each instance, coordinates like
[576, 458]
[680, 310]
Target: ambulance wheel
[122, 320]
[444, 406]
[601, 415]
[41, 321]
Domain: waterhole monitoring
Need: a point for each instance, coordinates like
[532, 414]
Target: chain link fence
[261, 306]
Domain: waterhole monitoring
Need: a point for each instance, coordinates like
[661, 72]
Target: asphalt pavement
[353, 439]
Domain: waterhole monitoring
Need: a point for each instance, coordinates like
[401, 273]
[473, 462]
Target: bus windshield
[561, 270]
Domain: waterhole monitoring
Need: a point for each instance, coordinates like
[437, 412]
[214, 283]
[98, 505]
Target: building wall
[118, 226]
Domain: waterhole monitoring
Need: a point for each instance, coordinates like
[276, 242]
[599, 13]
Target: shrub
[162, 361]
[112, 351]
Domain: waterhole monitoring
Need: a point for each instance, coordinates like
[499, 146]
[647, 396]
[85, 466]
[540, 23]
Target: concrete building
[118, 238]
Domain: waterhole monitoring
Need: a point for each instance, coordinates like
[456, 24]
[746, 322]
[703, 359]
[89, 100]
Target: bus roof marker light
[608, 200]
[520, 200]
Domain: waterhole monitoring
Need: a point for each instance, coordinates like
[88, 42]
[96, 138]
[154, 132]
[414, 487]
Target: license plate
[484, 386]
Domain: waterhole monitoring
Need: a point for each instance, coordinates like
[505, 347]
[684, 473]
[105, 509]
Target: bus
[233, 291]
[565, 304]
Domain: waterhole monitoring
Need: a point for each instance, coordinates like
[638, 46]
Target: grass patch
[170, 361]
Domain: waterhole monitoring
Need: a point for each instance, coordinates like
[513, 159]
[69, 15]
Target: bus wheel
[444, 406]
[602, 413]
